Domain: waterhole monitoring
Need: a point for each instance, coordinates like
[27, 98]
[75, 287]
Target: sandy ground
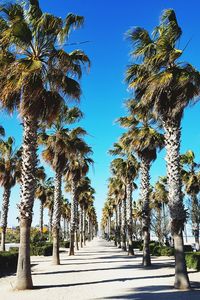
[101, 271]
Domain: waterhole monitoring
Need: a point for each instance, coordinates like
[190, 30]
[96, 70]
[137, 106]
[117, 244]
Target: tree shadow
[160, 292]
[126, 267]
[100, 282]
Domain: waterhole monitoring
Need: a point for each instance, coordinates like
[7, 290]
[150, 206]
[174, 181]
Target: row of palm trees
[37, 76]
[163, 86]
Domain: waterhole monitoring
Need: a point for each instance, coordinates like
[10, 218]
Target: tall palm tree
[32, 81]
[167, 86]
[59, 143]
[191, 180]
[65, 213]
[49, 202]
[128, 169]
[77, 167]
[144, 140]
[85, 194]
[114, 190]
[159, 201]
[42, 193]
[9, 171]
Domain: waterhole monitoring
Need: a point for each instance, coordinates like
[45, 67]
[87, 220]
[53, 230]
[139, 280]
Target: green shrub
[64, 244]
[14, 249]
[137, 244]
[162, 251]
[166, 251]
[188, 248]
[8, 262]
[44, 249]
[193, 260]
[152, 245]
[37, 237]
[156, 251]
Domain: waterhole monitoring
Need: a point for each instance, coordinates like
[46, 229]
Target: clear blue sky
[104, 91]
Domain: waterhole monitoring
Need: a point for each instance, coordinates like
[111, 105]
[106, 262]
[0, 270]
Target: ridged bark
[28, 186]
[50, 223]
[130, 218]
[41, 216]
[116, 225]
[81, 226]
[144, 190]
[109, 228]
[56, 218]
[4, 218]
[124, 224]
[64, 228]
[195, 219]
[84, 226]
[73, 218]
[176, 207]
[120, 224]
[77, 226]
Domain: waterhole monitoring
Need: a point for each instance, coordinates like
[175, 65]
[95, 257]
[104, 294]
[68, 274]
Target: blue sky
[104, 90]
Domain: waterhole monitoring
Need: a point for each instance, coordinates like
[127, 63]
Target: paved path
[100, 271]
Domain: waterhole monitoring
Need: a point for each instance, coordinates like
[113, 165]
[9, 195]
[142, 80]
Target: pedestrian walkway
[101, 271]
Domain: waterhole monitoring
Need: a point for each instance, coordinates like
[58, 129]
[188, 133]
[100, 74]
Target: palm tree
[49, 202]
[159, 200]
[144, 140]
[92, 222]
[76, 168]
[137, 217]
[41, 192]
[60, 142]
[32, 81]
[167, 86]
[128, 170]
[114, 190]
[85, 196]
[65, 213]
[9, 171]
[191, 180]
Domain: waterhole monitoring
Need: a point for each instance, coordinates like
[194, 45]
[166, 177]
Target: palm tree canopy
[161, 81]
[190, 172]
[37, 74]
[141, 137]
[9, 163]
[59, 140]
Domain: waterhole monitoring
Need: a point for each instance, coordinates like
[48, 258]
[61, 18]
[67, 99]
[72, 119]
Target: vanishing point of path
[100, 271]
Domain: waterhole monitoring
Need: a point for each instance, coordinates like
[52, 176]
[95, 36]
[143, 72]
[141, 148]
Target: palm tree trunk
[130, 219]
[120, 224]
[77, 226]
[116, 225]
[195, 219]
[84, 226]
[176, 207]
[50, 223]
[56, 217]
[81, 226]
[124, 224]
[109, 227]
[158, 225]
[73, 218]
[41, 216]
[144, 190]
[28, 185]
[4, 220]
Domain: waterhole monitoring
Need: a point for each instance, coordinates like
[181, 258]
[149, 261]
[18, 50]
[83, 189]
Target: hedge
[137, 244]
[8, 262]
[44, 249]
[64, 244]
[193, 260]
